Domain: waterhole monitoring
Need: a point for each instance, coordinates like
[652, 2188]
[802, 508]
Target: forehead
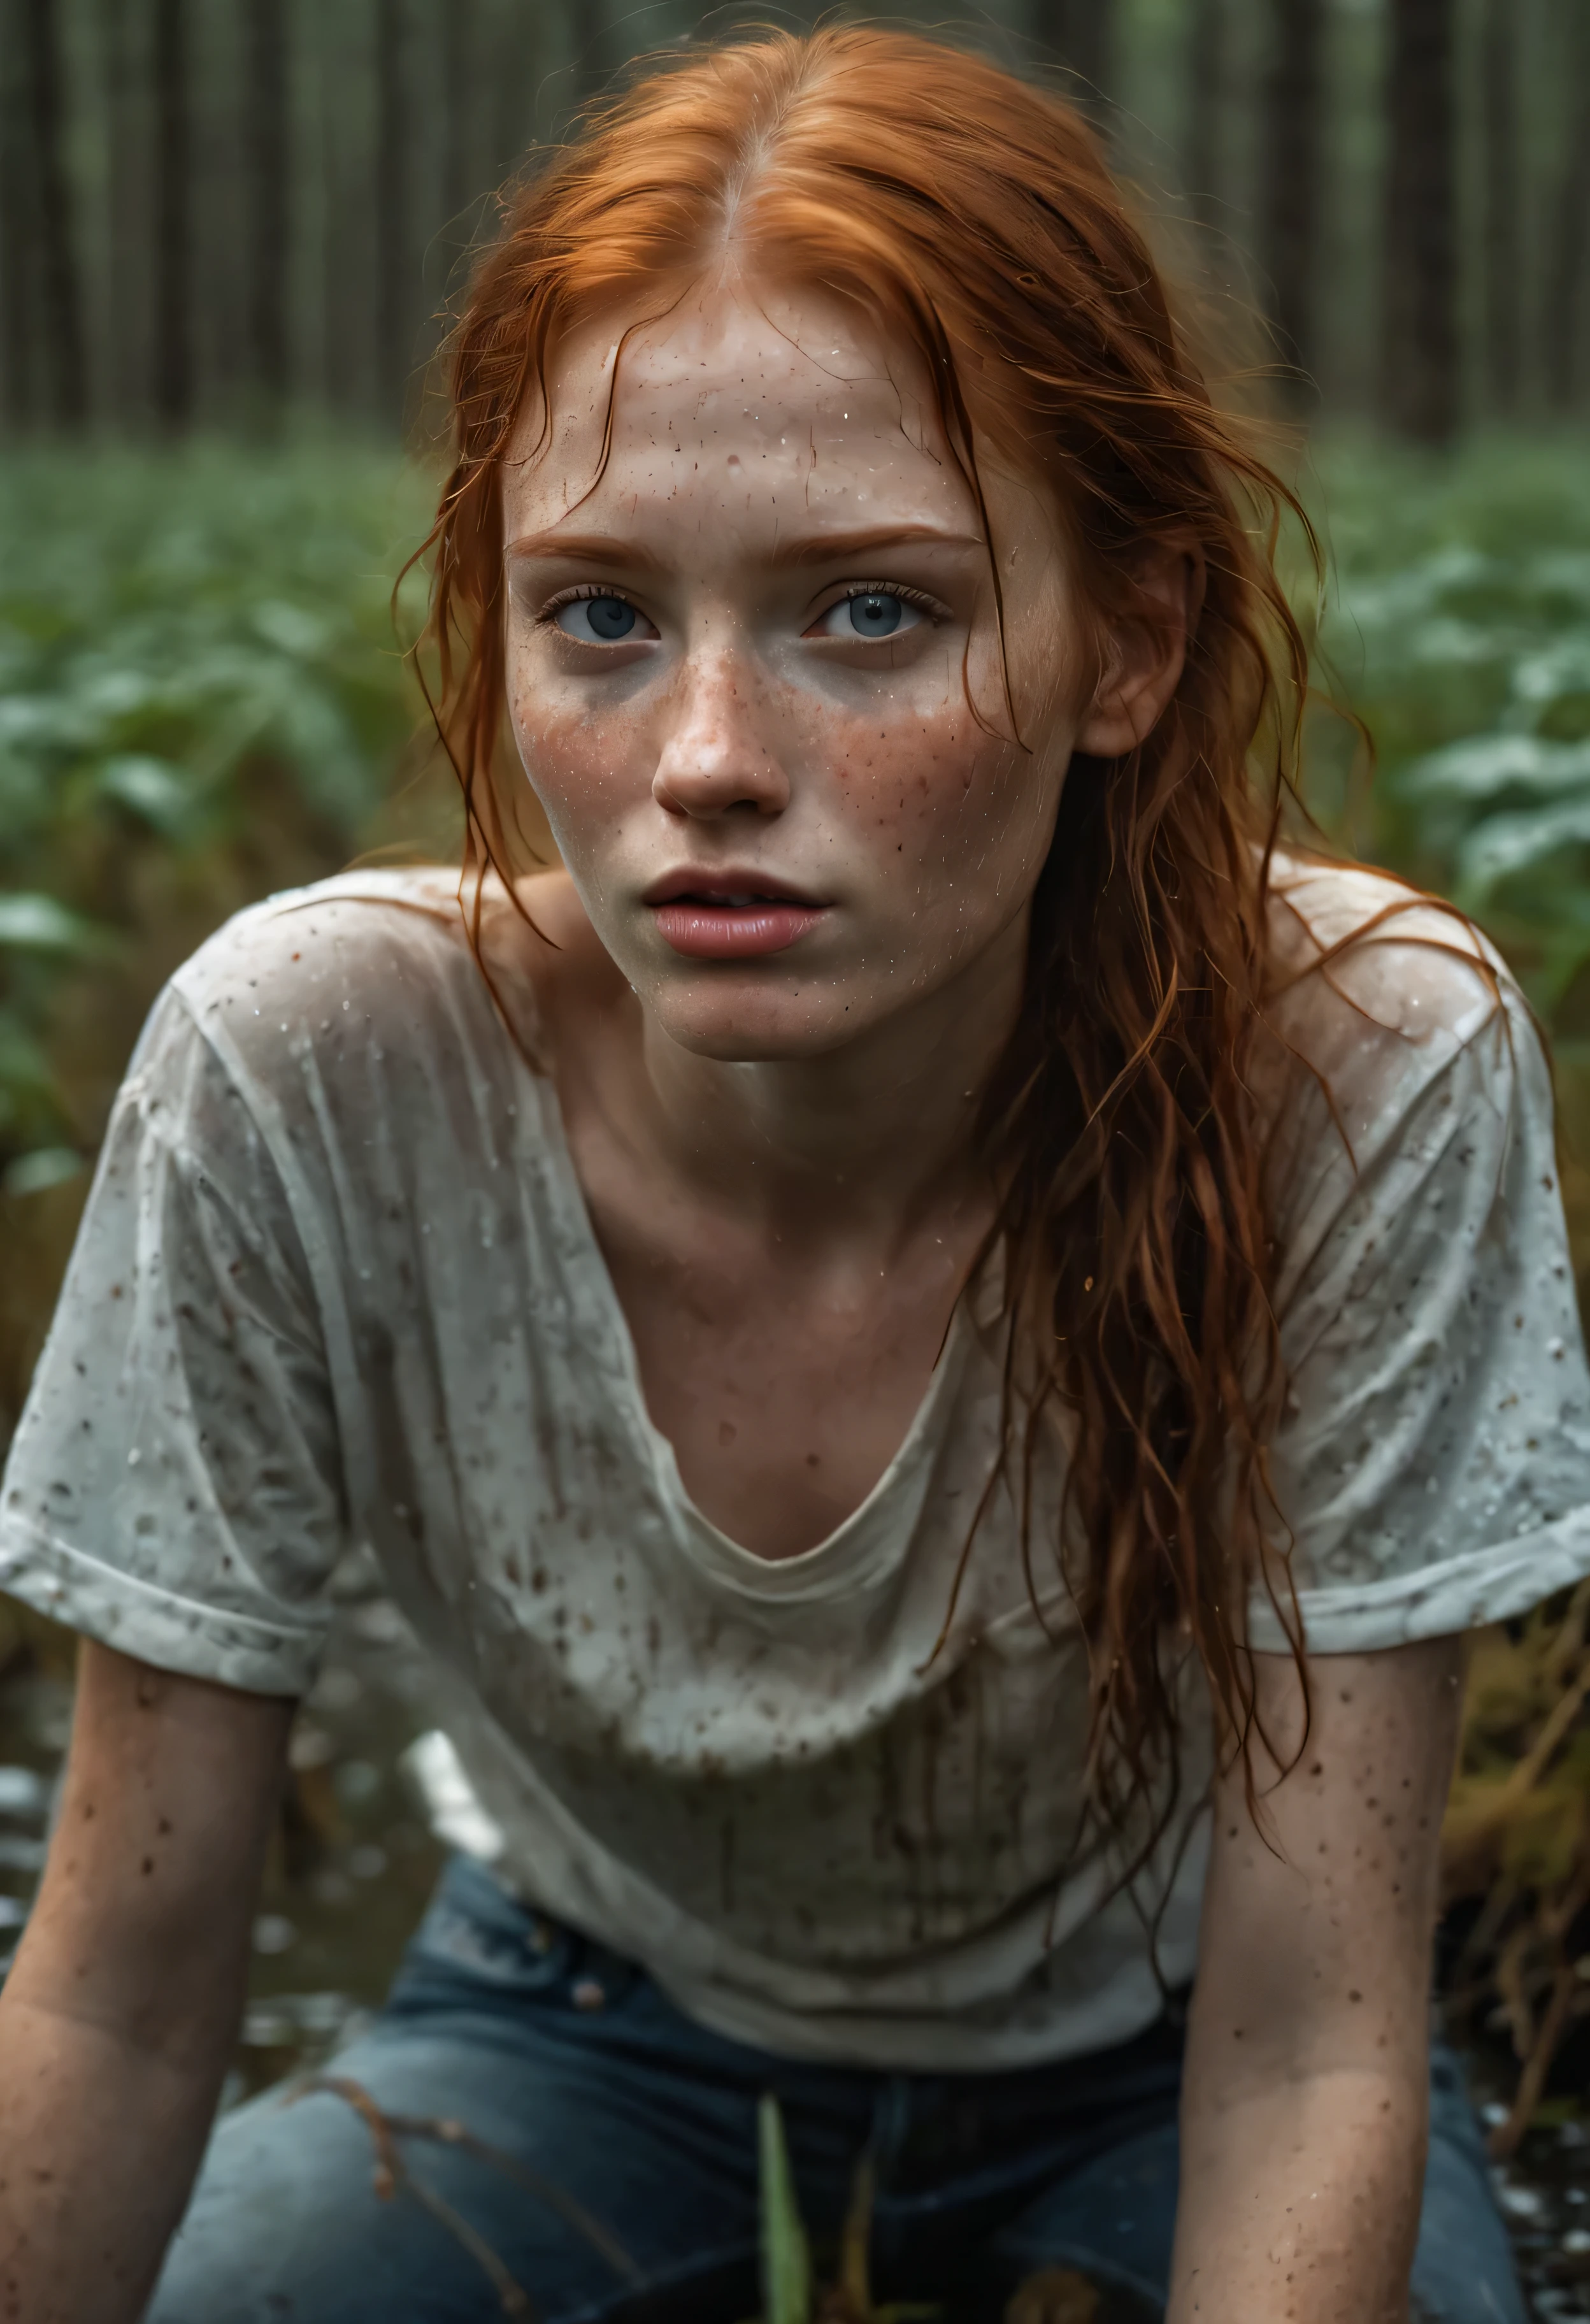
[794, 397]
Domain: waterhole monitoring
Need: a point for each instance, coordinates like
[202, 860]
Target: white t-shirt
[336, 1285]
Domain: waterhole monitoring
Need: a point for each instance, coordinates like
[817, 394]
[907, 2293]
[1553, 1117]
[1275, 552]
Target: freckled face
[739, 671]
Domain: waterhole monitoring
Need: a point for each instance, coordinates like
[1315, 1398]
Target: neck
[870, 1138]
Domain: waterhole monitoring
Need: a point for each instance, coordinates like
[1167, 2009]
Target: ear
[1145, 653]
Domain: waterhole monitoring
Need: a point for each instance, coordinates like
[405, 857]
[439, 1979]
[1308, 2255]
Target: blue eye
[875, 615]
[604, 621]
[870, 613]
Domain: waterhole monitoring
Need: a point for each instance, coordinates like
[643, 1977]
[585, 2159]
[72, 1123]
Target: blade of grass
[787, 2259]
[855, 2281]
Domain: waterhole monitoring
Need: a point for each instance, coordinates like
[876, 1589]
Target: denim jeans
[531, 2127]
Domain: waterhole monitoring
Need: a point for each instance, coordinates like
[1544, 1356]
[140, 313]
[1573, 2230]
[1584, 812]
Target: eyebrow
[583, 548]
[824, 547]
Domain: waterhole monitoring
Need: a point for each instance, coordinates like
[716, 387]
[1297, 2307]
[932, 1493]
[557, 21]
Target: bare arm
[1304, 2111]
[116, 2021]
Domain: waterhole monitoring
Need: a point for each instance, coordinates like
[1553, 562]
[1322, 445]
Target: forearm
[118, 2017]
[1305, 2102]
[1300, 2201]
[99, 2142]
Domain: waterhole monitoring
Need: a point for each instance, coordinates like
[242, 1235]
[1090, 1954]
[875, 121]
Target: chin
[756, 1029]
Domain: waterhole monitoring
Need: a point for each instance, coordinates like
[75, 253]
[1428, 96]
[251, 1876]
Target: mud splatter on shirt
[337, 1287]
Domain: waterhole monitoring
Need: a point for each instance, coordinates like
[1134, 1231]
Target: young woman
[940, 1341]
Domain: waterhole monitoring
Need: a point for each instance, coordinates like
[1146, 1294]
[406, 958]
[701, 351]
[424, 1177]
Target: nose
[717, 755]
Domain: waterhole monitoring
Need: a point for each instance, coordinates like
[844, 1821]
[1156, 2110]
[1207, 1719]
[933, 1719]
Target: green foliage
[787, 2258]
[1459, 630]
[197, 664]
[788, 2293]
[198, 672]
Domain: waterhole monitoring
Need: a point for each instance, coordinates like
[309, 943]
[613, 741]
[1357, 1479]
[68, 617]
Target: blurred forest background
[229, 233]
[213, 212]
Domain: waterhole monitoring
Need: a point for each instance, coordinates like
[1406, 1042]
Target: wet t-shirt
[337, 1287]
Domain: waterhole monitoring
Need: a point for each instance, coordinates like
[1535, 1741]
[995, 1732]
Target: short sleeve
[1433, 1465]
[173, 1489]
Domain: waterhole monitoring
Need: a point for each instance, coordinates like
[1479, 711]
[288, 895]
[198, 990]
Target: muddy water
[1545, 2197]
[354, 1859]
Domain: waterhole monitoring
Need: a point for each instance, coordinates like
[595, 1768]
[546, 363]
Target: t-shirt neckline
[864, 1546]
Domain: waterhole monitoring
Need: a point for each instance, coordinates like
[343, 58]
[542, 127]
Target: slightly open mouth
[735, 926]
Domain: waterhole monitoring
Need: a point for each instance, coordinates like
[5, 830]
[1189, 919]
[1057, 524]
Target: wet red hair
[976, 217]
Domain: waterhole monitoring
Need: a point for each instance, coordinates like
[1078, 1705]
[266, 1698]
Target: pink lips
[722, 917]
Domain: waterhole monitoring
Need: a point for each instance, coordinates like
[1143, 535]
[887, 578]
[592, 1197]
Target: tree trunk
[1421, 351]
[17, 233]
[1207, 71]
[266, 128]
[125, 218]
[393, 308]
[343, 256]
[1080, 35]
[174, 238]
[600, 49]
[1089, 45]
[1566, 253]
[515, 59]
[1504, 253]
[65, 361]
[1288, 203]
[459, 189]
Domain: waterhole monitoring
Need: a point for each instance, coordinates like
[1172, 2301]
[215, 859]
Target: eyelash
[583, 590]
[580, 591]
[917, 598]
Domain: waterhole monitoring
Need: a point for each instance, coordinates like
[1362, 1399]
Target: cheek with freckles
[927, 829]
[932, 779]
[930, 797]
[584, 767]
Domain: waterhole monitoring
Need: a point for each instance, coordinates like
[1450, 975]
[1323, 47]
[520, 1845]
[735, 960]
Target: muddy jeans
[531, 2128]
